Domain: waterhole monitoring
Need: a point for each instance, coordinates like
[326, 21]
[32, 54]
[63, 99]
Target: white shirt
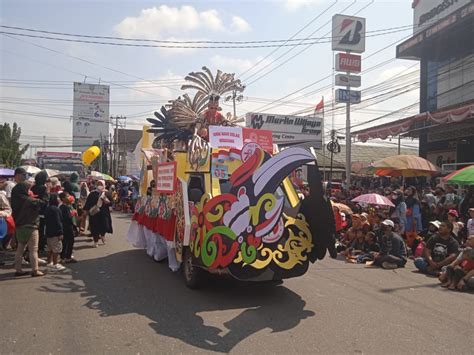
[9, 187]
[470, 226]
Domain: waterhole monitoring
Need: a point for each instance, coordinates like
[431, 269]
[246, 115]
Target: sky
[37, 75]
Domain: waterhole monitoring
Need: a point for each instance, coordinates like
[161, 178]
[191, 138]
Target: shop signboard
[348, 33]
[429, 12]
[349, 63]
[288, 129]
[353, 81]
[343, 95]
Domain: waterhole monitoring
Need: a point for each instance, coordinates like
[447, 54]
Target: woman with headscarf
[40, 190]
[84, 192]
[26, 215]
[98, 208]
[414, 223]
[400, 210]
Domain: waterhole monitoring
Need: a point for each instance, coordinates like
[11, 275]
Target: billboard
[428, 12]
[90, 114]
[287, 129]
[348, 33]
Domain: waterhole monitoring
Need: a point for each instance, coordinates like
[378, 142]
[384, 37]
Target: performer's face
[213, 106]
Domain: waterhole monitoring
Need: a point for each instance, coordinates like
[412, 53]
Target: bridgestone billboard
[288, 129]
[90, 120]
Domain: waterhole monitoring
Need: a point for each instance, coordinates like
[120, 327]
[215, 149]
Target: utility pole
[101, 155]
[348, 136]
[116, 143]
[44, 142]
[234, 97]
[399, 145]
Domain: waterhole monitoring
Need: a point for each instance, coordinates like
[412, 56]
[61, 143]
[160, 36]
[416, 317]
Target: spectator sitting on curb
[441, 250]
[393, 252]
[456, 272]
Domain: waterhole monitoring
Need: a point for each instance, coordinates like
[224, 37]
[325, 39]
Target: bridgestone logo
[436, 11]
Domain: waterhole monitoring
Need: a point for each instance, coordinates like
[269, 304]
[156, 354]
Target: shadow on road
[129, 282]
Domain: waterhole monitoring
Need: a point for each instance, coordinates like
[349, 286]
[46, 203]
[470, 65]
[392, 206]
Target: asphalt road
[117, 300]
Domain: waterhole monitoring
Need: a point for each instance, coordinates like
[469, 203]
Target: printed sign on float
[225, 137]
[166, 177]
[262, 137]
[342, 96]
[220, 171]
[348, 33]
[349, 63]
[353, 81]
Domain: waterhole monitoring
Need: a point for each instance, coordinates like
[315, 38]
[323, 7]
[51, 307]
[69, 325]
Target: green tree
[11, 150]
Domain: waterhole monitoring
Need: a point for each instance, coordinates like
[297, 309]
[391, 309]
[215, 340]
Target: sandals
[37, 274]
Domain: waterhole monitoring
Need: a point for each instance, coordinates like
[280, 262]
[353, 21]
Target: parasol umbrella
[30, 169]
[373, 199]
[124, 178]
[51, 172]
[7, 172]
[404, 165]
[342, 207]
[464, 176]
[101, 176]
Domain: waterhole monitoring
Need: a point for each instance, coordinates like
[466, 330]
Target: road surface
[117, 300]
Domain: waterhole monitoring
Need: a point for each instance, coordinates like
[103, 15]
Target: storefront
[443, 43]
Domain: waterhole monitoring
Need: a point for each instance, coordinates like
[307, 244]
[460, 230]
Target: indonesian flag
[319, 107]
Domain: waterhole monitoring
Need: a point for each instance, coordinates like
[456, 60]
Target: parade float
[222, 201]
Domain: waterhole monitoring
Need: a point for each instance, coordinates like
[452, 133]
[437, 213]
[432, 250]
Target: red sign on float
[262, 137]
[166, 177]
[349, 63]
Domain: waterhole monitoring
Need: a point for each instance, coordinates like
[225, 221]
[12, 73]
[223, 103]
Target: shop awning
[395, 128]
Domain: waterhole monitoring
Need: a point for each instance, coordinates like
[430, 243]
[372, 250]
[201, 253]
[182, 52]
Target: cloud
[239, 24]
[165, 21]
[295, 5]
[236, 65]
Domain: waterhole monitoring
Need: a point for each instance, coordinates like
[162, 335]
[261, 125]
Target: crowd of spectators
[433, 228]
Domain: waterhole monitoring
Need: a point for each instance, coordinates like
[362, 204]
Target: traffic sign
[342, 96]
[353, 81]
[349, 63]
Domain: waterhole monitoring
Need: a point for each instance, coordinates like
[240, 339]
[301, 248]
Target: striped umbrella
[373, 199]
[404, 165]
[464, 176]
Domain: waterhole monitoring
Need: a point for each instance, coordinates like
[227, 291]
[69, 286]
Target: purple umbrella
[6, 172]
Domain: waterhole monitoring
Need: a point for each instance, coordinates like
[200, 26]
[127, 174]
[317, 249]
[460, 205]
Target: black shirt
[53, 222]
[441, 248]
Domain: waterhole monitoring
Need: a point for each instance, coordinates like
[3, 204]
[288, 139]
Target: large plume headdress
[212, 87]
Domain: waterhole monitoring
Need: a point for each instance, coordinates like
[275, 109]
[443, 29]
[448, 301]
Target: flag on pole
[319, 107]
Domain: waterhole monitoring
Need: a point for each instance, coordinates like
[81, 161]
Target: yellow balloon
[90, 155]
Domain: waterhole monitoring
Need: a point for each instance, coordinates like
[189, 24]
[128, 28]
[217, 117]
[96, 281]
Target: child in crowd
[54, 232]
[458, 272]
[69, 227]
[357, 247]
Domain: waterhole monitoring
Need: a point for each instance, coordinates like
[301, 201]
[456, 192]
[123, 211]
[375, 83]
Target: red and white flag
[319, 107]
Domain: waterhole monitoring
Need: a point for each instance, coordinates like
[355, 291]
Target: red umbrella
[374, 199]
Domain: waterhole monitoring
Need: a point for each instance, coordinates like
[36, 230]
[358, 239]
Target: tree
[11, 150]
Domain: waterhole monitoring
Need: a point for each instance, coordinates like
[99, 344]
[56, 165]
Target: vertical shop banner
[165, 174]
[225, 137]
[262, 137]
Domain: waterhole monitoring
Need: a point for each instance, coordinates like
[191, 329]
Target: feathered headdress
[212, 87]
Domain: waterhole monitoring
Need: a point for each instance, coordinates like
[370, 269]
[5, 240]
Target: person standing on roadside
[26, 215]
[69, 228]
[40, 190]
[54, 233]
[98, 208]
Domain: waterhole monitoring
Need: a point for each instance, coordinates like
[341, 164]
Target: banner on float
[235, 137]
[165, 177]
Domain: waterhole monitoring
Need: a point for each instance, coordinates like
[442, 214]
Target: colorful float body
[229, 206]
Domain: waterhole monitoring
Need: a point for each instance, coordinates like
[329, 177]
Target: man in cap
[441, 250]
[393, 251]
